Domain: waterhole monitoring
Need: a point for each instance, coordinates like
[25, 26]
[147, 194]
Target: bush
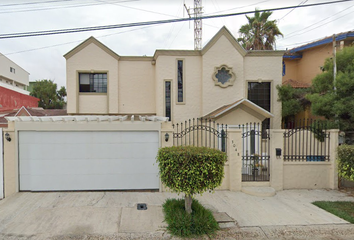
[182, 224]
[191, 170]
[346, 162]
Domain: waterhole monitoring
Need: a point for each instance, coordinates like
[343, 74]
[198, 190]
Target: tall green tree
[335, 100]
[49, 97]
[259, 33]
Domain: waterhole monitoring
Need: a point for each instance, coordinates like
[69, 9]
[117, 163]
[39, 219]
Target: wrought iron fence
[306, 140]
[200, 132]
[255, 152]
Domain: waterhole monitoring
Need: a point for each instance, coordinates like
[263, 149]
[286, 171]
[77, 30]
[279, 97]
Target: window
[93, 82]
[180, 80]
[259, 93]
[12, 70]
[223, 76]
[168, 99]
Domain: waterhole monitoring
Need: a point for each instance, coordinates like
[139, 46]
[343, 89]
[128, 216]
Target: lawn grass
[344, 210]
[182, 224]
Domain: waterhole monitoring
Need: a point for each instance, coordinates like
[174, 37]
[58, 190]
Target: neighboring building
[179, 84]
[29, 112]
[13, 86]
[12, 76]
[303, 63]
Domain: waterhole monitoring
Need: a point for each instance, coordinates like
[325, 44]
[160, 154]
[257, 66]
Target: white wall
[20, 74]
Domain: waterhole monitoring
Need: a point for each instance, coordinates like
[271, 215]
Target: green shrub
[182, 224]
[346, 162]
[191, 170]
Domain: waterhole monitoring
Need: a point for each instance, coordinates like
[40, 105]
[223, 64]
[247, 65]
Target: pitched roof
[325, 40]
[296, 84]
[226, 108]
[87, 42]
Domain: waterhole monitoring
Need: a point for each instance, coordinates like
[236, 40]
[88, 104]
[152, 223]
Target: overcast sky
[43, 57]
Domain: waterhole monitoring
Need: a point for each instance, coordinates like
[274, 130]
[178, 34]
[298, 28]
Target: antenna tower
[197, 14]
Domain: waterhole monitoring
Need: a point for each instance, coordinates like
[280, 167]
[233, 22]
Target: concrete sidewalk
[113, 215]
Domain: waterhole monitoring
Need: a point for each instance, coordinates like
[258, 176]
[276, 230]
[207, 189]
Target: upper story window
[93, 82]
[12, 70]
[223, 76]
[180, 97]
[259, 93]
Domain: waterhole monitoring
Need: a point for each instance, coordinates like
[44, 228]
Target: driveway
[111, 215]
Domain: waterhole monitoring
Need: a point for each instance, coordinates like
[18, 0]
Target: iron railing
[200, 132]
[306, 140]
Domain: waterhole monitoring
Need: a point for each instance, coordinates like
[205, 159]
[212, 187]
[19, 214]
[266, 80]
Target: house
[13, 86]
[29, 112]
[178, 84]
[302, 64]
[119, 109]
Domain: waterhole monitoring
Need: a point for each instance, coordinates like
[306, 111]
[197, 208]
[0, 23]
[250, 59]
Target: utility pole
[197, 14]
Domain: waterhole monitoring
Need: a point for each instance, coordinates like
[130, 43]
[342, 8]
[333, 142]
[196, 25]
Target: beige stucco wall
[166, 69]
[298, 175]
[91, 59]
[222, 52]
[136, 87]
[93, 104]
[241, 115]
[265, 68]
[10, 162]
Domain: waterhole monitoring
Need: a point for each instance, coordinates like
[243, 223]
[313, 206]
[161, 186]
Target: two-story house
[222, 81]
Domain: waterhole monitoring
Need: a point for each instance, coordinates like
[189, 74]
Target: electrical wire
[60, 7]
[303, 2]
[126, 25]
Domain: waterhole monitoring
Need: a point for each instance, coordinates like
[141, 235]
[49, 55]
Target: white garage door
[51, 161]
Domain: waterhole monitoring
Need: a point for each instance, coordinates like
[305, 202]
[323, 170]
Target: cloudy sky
[43, 57]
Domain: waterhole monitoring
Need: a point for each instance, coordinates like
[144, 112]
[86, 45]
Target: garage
[87, 160]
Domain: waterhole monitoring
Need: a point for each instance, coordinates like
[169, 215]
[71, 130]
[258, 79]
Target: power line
[126, 25]
[32, 3]
[67, 6]
[303, 2]
[295, 35]
[61, 44]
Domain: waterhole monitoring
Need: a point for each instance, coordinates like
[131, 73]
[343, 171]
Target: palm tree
[259, 33]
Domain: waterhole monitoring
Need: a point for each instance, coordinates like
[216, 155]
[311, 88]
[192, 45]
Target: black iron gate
[200, 132]
[255, 152]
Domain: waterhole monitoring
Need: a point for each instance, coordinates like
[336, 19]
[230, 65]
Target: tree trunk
[188, 203]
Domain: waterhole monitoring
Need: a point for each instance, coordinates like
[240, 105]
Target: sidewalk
[113, 215]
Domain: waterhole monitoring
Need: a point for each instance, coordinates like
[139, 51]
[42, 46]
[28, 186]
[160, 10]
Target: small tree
[334, 100]
[191, 170]
[292, 99]
[49, 97]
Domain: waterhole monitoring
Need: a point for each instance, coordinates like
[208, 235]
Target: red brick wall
[10, 99]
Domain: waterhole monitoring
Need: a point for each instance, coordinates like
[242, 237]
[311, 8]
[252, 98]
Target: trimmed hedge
[346, 162]
[191, 170]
